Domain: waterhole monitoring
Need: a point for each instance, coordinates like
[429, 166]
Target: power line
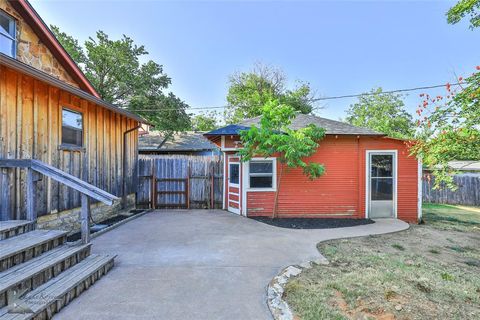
[386, 92]
[327, 98]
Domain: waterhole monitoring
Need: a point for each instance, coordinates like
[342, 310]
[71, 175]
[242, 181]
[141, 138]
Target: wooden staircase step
[27, 276]
[49, 298]
[11, 228]
[24, 247]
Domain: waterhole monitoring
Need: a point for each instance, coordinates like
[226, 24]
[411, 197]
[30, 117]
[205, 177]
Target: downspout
[124, 174]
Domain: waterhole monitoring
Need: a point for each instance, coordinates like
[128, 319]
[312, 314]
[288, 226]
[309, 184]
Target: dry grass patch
[421, 273]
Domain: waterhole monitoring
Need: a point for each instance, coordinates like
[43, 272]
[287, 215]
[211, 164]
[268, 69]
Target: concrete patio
[199, 264]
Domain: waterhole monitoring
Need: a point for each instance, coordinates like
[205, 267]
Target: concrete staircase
[40, 272]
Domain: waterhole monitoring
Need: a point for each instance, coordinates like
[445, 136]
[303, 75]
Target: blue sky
[339, 47]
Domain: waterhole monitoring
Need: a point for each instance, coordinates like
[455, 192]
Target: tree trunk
[275, 204]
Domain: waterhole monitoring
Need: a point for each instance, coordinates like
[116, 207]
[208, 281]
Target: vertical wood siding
[468, 192]
[30, 127]
[190, 176]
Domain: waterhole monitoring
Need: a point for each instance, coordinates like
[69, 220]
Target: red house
[368, 175]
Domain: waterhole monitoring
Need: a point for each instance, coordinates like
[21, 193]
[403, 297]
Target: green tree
[249, 91]
[205, 121]
[465, 8]
[449, 129]
[382, 112]
[273, 137]
[114, 69]
[449, 124]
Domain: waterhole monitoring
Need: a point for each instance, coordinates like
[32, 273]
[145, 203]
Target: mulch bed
[313, 223]
[108, 222]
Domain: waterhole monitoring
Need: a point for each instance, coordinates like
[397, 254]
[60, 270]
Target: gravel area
[313, 223]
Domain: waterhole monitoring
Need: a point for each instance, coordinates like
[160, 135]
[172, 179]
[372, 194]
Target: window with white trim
[8, 35]
[260, 174]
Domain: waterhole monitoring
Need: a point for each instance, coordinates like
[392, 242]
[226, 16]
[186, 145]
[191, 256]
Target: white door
[233, 190]
[382, 184]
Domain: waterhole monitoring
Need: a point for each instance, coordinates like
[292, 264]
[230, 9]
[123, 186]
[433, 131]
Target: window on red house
[261, 174]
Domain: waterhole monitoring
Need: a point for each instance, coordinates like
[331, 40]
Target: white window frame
[274, 175]
[367, 179]
[8, 36]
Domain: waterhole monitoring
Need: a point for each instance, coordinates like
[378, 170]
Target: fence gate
[180, 182]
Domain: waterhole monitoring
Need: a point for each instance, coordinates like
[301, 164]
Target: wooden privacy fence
[468, 192]
[178, 181]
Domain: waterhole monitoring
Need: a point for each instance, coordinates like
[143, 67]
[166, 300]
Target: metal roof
[181, 141]
[301, 121]
[231, 129]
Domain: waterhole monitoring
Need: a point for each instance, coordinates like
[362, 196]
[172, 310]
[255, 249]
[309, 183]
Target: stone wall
[69, 220]
[32, 51]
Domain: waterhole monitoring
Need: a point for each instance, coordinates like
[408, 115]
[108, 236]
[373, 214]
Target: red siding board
[341, 191]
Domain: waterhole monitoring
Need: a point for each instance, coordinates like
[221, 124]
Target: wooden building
[49, 111]
[368, 175]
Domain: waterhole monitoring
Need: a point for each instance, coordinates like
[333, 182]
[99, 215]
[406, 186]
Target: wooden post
[153, 192]
[30, 196]
[4, 196]
[212, 186]
[85, 218]
[187, 187]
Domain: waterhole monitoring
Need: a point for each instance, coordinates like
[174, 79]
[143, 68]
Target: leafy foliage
[250, 91]
[449, 128]
[114, 69]
[274, 138]
[382, 112]
[465, 8]
[205, 121]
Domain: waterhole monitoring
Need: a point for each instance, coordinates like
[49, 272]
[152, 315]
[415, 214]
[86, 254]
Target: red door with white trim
[233, 186]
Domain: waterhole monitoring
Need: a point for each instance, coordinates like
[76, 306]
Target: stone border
[278, 307]
[275, 289]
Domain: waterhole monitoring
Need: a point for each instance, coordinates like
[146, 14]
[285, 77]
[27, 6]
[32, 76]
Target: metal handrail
[86, 189]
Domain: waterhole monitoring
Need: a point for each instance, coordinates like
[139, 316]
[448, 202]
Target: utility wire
[326, 98]
[386, 92]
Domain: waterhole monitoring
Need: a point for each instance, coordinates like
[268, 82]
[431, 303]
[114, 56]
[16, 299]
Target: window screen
[381, 177]
[72, 128]
[261, 174]
[7, 35]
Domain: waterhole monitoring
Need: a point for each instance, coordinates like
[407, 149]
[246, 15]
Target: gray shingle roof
[181, 141]
[465, 165]
[331, 126]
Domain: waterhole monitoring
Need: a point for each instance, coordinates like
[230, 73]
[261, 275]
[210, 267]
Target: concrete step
[24, 247]
[27, 276]
[11, 228]
[46, 300]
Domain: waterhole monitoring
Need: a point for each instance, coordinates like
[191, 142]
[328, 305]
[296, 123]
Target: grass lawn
[431, 271]
[448, 217]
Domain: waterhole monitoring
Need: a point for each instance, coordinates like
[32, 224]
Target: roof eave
[175, 150]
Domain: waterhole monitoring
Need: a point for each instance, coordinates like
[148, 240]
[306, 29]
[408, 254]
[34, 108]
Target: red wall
[407, 175]
[341, 191]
